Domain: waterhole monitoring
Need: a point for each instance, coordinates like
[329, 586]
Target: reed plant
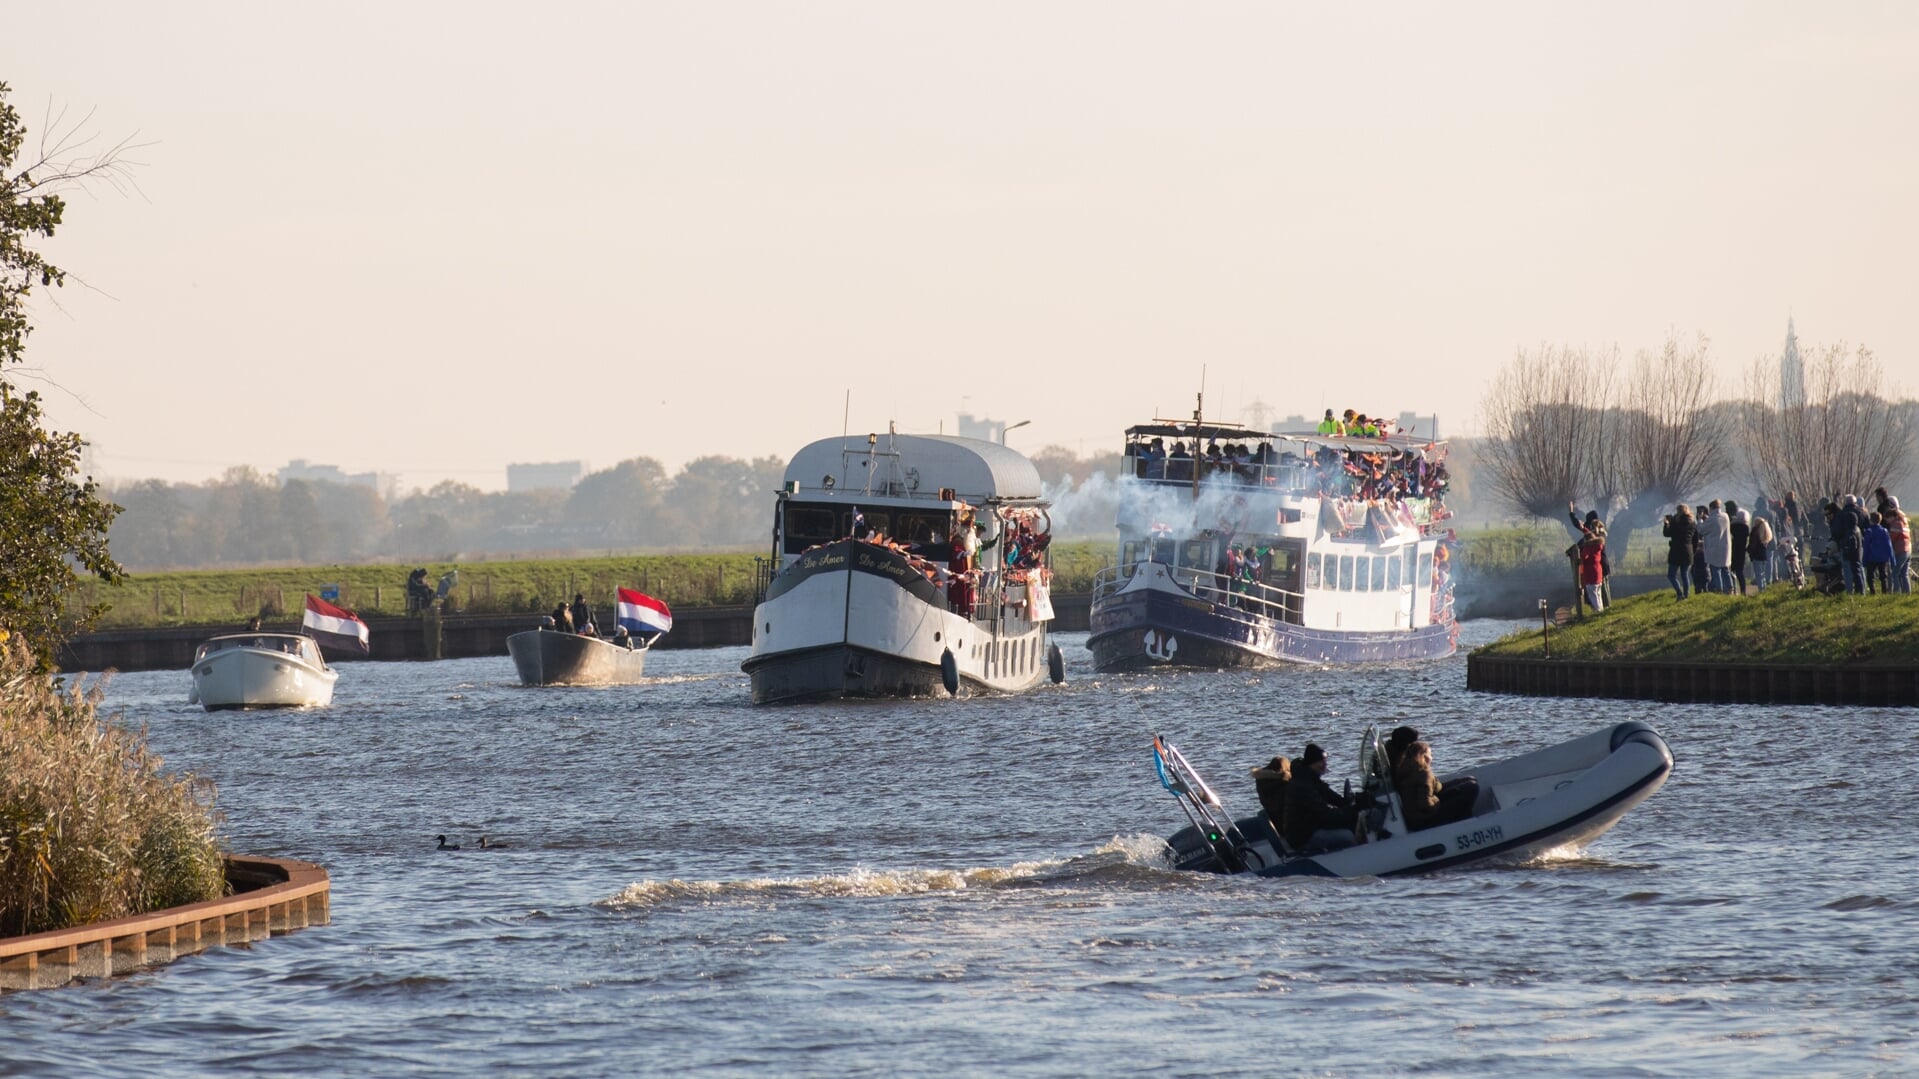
[91, 827]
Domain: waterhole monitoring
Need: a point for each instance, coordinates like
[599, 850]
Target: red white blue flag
[334, 627]
[641, 613]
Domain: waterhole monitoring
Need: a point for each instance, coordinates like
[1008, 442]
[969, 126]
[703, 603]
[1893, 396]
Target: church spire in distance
[1792, 371]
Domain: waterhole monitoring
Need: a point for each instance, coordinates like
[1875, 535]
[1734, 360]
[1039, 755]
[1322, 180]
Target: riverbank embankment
[1778, 647]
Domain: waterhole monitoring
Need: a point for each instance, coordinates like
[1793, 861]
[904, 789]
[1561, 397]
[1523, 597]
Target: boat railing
[1219, 589]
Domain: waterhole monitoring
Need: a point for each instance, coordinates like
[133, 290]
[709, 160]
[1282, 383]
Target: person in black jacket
[1316, 818]
[1741, 535]
[1681, 537]
[1271, 780]
[1848, 526]
[1700, 578]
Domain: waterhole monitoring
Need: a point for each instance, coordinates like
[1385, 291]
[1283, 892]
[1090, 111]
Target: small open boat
[548, 657]
[1564, 795]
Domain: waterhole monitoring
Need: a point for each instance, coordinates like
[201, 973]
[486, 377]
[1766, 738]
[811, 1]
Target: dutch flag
[334, 627]
[641, 613]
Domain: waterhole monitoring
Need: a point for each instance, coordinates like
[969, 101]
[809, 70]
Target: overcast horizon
[433, 239]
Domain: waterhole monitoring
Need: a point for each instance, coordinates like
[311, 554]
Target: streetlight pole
[1010, 428]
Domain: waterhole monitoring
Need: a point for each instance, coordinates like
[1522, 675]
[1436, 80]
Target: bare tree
[1668, 439]
[1561, 429]
[1545, 420]
[1845, 437]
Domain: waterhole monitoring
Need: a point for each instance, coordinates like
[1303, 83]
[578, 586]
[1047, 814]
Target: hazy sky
[435, 238]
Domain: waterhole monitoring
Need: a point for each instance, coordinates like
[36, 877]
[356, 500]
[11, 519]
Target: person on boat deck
[621, 637]
[1425, 800]
[1153, 460]
[582, 614]
[1329, 425]
[1270, 780]
[562, 619]
[1396, 744]
[1316, 818]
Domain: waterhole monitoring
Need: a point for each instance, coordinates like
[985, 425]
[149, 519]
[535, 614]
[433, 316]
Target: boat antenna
[1199, 412]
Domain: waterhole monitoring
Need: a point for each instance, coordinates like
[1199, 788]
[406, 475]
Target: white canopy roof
[915, 465]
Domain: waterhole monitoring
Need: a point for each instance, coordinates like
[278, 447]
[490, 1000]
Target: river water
[691, 883]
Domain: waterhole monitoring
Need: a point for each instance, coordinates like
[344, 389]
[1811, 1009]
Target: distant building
[1792, 372]
[301, 469]
[545, 476]
[981, 428]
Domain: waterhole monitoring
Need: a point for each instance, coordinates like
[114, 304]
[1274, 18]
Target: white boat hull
[861, 632]
[1564, 795]
[261, 678]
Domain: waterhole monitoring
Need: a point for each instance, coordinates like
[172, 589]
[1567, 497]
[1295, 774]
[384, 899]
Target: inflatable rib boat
[1564, 795]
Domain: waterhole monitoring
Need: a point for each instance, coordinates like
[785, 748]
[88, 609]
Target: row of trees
[245, 517]
[1567, 425]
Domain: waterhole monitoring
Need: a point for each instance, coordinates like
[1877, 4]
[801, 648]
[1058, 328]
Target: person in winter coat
[1316, 818]
[1271, 780]
[1592, 523]
[1847, 527]
[1716, 530]
[1681, 536]
[1759, 549]
[1701, 577]
[1740, 527]
[1425, 801]
[1592, 573]
[1876, 552]
[1899, 531]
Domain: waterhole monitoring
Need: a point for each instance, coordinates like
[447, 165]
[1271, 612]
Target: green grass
[223, 597]
[1779, 626]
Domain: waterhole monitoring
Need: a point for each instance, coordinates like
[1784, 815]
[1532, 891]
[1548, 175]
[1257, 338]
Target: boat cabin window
[1362, 574]
[1379, 573]
[1392, 574]
[807, 526]
[1312, 570]
[1345, 573]
[931, 531]
[1425, 566]
[1197, 554]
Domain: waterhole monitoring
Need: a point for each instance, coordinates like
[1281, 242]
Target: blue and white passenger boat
[1279, 549]
[904, 565]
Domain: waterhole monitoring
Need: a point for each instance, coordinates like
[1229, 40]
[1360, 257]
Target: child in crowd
[1877, 556]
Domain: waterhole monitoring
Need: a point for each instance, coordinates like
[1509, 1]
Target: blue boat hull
[1148, 628]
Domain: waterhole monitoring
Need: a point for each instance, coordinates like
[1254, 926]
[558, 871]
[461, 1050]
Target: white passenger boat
[1562, 796]
[903, 565]
[261, 670]
[1295, 549]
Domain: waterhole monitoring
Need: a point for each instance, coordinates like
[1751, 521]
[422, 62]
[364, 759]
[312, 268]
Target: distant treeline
[246, 518]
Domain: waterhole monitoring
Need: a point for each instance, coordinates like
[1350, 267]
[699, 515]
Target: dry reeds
[90, 827]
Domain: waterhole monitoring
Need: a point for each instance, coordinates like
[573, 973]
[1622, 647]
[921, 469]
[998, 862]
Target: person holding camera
[1681, 534]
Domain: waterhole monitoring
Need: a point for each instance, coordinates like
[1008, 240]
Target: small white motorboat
[1564, 795]
[261, 670]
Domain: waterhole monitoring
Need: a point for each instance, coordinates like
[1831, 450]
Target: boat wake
[1117, 857]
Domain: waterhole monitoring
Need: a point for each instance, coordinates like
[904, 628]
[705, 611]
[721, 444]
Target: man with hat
[1316, 818]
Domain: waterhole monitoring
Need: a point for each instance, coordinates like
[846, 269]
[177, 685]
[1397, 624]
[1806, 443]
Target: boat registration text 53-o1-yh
[904, 565]
[1243, 548]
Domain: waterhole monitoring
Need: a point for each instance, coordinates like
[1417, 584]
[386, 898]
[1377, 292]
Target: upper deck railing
[1216, 588]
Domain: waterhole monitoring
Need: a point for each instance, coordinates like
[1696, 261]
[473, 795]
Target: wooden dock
[271, 895]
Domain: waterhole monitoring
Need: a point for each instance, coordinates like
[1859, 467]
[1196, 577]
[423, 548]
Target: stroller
[1827, 578]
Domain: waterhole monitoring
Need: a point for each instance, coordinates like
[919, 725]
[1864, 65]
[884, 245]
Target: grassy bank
[221, 597]
[1780, 626]
[90, 827]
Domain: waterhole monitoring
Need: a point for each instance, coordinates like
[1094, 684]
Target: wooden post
[183, 604]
